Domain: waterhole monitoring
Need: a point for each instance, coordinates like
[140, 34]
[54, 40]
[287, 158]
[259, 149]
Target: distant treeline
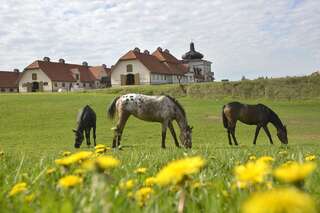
[305, 87]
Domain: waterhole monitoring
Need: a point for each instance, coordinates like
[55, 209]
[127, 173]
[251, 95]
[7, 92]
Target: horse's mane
[178, 104]
[273, 115]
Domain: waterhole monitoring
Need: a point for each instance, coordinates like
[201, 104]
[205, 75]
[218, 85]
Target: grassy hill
[289, 88]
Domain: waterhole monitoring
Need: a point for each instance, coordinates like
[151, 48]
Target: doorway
[35, 87]
[130, 79]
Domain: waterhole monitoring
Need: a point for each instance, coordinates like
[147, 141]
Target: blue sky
[252, 38]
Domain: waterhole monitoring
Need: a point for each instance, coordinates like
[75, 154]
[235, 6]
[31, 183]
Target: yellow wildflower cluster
[74, 158]
[127, 185]
[100, 148]
[150, 181]
[177, 170]
[69, 181]
[310, 158]
[283, 200]
[18, 188]
[294, 172]
[106, 162]
[251, 173]
[140, 170]
[143, 194]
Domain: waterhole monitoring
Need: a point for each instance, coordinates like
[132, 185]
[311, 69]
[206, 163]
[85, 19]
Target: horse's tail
[112, 108]
[224, 118]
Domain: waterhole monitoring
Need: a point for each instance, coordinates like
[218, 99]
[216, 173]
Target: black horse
[259, 115]
[86, 120]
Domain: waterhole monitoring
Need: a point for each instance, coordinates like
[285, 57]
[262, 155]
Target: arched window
[129, 68]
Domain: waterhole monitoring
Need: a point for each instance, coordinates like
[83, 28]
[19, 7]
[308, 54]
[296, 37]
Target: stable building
[9, 81]
[46, 76]
[199, 70]
[141, 68]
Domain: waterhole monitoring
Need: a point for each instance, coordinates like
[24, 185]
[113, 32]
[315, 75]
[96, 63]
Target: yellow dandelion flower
[19, 187]
[140, 170]
[29, 198]
[294, 172]
[283, 200]
[106, 162]
[74, 158]
[266, 159]
[100, 151]
[100, 146]
[88, 165]
[252, 157]
[310, 158]
[130, 195]
[150, 181]
[142, 195]
[251, 173]
[127, 185]
[66, 153]
[50, 171]
[69, 181]
[175, 171]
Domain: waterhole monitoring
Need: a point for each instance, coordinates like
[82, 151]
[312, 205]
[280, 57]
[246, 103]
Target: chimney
[146, 52]
[85, 64]
[159, 49]
[192, 47]
[62, 61]
[136, 49]
[16, 70]
[47, 59]
[104, 66]
[166, 51]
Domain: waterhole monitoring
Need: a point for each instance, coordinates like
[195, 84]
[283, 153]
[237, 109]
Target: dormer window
[129, 68]
[34, 76]
[77, 77]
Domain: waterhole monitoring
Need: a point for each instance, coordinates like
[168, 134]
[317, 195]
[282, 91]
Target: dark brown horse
[259, 115]
[163, 109]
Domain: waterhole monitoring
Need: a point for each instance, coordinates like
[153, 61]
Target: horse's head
[282, 135]
[79, 138]
[186, 137]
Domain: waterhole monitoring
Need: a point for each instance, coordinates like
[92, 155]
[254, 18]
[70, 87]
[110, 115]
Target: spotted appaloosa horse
[86, 120]
[259, 115]
[163, 109]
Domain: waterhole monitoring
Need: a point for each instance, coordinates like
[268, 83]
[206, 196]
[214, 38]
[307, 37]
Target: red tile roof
[97, 70]
[9, 79]
[61, 72]
[159, 62]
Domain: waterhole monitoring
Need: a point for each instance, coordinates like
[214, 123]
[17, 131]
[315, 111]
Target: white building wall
[41, 76]
[137, 67]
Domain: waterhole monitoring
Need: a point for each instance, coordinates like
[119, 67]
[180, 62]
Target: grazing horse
[259, 115]
[162, 109]
[86, 120]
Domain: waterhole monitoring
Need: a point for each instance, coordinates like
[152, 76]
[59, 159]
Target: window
[77, 77]
[3, 90]
[129, 68]
[34, 76]
[63, 84]
[45, 84]
[84, 84]
[11, 90]
[55, 84]
[165, 77]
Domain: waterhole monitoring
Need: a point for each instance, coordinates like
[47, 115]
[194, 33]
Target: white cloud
[251, 38]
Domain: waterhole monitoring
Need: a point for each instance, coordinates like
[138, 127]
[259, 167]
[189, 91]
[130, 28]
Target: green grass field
[36, 128]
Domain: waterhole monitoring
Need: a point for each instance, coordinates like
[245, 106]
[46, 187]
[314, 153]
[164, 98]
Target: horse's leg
[173, 133]
[268, 133]
[94, 135]
[233, 130]
[164, 133]
[229, 137]
[87, 133]
[256, 134]
[123, 117]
